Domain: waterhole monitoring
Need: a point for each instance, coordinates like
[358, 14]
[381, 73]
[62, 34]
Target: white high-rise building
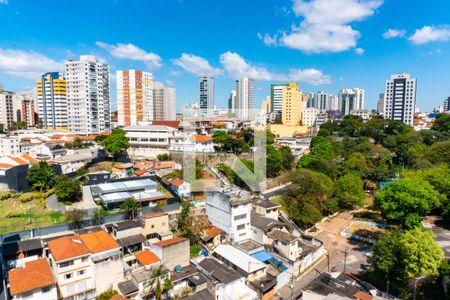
[134, 97]
[88, 95]
[350, 99]
[244, 97]
[232, 102]
[323, 101]
[276, 97]
[52, 101]
[164, 102]
[6, 107]
[380, 104]
[206, 93]
[400, 98]
[447, 104]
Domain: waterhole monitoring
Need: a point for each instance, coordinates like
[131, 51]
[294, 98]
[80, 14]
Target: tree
[406, 201]
[358, 163]
[75, 217]
[273, 161]
[442, 123]
[2, 128]
[107, 295]
[408, 254]
[163, 157]
[41, 176]
[349, 191]
[68, 190]
[130, 206]
[439, 152]
[116, 143]
[98, 215]
[184, 228]
[156, 276]
[287, 158]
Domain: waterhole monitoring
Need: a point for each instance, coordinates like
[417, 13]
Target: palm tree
[131, 206]
[155, 281]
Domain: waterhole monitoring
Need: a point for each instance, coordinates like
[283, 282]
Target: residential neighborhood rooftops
[36, 274]
[219, 271]
[202, 295]
[264, 223]
[126, 224]
[267, 204]
[127, 287]
[280, 235]
[176, 182]
[122, 186]
[99, 241]
[146, 257]
[67, 247]
[30, 245]
[240, 259]
[170, 242]
[131, 240]
[153, 215]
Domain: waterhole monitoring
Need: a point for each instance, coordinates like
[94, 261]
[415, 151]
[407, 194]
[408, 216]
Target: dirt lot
[365, 230]
[341, 249]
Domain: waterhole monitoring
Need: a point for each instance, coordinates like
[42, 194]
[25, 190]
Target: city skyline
[368, 45]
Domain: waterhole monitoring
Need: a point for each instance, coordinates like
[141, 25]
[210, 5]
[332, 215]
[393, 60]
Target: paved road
[53, 204]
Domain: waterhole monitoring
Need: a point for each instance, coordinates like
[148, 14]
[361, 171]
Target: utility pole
[345, 260]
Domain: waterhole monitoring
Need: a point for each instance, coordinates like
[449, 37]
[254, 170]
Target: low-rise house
[180, 187]
[122, 170]
[74, 162]
[128, 235]
[194, 143]
[147, 259]
[155, 226]
[267, 209]
[9, 145]
[261, 226]
[254, 270]
[188, 276]
[34, 281]
[223, 281]
[73, 268]
[230, 212]
[129, 288]
[106, 257]
[147, 141]
[212, 236]
[172, 252]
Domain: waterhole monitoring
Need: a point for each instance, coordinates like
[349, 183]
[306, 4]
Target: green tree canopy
[349, 191]
[407, 254]
[442, 123]
[116, 143]
[68, 190]
[287, 158]
[406, 201]
[130, 206]
[273, 161]
[41, 176]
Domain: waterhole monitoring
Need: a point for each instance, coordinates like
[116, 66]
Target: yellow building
[291, 114]
[52, 101]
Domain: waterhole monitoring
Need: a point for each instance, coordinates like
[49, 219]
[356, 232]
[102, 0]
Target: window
[66, 264]
[240, 227]
[84, 259]
[81, 272]
[68, 276]
[240, 217]
[46, 289]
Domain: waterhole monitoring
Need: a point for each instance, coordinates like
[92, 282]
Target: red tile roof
[362, 296]
[99, 241]
[67, 247]
[153, 215]
[173, 124]
[176, 182]
[18, 160]
[171, 242]
[139, 172]
[117, 297]
[213, 231]
[202, 138]
[147, 257]
[5, 166]
[36, 274]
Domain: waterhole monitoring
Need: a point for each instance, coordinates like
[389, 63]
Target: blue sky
[322, 44]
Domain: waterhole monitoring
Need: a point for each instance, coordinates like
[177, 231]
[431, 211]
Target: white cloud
[268, 40]
[394, 33]
[3, 1]
[360, 51]
[236, 67]
[27, 64]
[196, 65]
[132, 52]
[326, 24]
[428, 34]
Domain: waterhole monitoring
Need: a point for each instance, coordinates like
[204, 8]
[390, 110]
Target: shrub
[6, 195]
[27, 197]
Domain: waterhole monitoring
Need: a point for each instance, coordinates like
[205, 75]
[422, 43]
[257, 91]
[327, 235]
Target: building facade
[291, 113]
[88, 95]
[447, 104]
[164, 101]
[6, 107]
[134, 97]
[232, 102]
[244, 97]
[380, 104]
[52, 101]
[276, 97]
[25, 109]
[400, 98]
[322, 101]
[206, 93]
[350, 99]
